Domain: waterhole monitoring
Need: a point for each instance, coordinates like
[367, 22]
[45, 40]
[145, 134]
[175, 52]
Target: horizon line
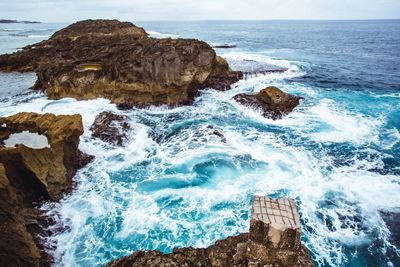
[201, 20]
[209, 20]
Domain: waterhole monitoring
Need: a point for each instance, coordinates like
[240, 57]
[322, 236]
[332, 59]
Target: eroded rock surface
[272, 101]
[119, 61]
[111, 128]
[274, 240]
[29, 176]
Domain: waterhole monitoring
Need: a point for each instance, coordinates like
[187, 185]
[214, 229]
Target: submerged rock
[111, 128]
[272, 101]
[224, 46]
[392, 219]
[119, 61]
[29, 176]
[274, 240]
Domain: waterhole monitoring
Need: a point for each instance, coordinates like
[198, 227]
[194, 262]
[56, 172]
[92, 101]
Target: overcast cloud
[136, 10]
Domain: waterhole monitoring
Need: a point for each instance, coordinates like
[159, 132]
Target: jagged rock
[219, 254]
[272, 101]
[274, 240]
[119, 61]
[111, 128]
[220, 79]
[31, 175]
[216, 132]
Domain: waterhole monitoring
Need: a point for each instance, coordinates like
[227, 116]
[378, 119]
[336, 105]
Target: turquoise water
[176, 184]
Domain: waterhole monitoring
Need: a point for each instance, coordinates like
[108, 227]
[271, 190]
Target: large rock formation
[30, 175]
[274, 240]
[272, 101]
[119, 61]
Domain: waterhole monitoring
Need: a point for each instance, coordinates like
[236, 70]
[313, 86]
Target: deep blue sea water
[175, 184]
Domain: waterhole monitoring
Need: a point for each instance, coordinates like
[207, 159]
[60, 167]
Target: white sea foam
[193, 187]
[155, 34]
[38, 36]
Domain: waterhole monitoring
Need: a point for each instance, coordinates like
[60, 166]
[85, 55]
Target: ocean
[175, 184]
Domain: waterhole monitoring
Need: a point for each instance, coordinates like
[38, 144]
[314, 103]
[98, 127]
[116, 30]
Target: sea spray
[177, 184]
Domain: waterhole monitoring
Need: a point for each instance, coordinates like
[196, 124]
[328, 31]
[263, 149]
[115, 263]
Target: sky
[143, 10]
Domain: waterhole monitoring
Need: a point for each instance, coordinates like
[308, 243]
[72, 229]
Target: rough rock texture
[272, 101]
[119, 61]
[111, 128]
[274, 240]
[29, 176]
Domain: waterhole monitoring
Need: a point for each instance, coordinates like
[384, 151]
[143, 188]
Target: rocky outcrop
[29, 176]
[274, 240]
[110, 128]
[119, 61]
[272, 101]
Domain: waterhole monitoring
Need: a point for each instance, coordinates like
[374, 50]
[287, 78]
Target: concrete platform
[275, 223]
[280, 212]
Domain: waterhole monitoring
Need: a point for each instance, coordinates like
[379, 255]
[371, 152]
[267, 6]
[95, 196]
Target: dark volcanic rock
[224, 46]
[110, 128]
[274, 103]
[119, 61]
[29, 176]
[216, 132]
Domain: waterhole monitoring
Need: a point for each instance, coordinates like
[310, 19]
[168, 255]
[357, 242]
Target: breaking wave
[155, 34]
[177, 184]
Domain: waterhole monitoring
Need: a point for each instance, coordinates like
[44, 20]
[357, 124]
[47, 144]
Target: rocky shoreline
[273, 240]
[118, 61]
[30, 176]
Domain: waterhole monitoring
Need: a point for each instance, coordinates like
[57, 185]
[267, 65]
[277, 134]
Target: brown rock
[272, 101]
[110, 128]
[17, 247]
[220, 79]
[119, 61]
[31, 175]
[52, 167]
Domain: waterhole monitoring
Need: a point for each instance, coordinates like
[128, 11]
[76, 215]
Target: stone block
[275, 222]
